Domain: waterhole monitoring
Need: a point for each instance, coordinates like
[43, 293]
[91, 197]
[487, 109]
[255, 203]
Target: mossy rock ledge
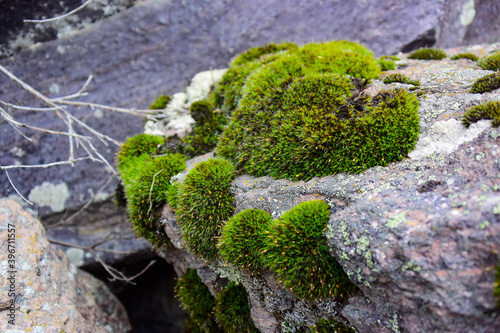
[410, 244]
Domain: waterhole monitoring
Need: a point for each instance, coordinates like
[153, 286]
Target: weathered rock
[420, 237]
[155, 47]
[50, 294]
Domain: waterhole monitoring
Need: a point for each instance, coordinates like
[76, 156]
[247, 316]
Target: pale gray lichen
[396, 220]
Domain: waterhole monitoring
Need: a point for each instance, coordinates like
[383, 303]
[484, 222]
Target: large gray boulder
[155, 47]
[420, 237]
[43, 291]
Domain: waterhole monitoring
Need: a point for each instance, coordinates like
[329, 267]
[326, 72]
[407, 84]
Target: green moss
[331, 325]
[243, 238]
[196, 299]
[491, 62]
[136, 146]
[496, 291]
[297, 252]
[257, 52]
[233, 311]
[427, 54]
[470, 56]
[204, 204]
[160, 103]
[486, 83]
[489, 110]
[386, 64]
[401, 79]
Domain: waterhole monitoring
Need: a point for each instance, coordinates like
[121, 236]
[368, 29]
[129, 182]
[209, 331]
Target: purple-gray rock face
[50, 294]
[420, 237]
[155, 47]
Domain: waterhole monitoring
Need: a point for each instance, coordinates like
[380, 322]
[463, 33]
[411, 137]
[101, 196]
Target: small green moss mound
[401, 79]
[486, 83]
[491, 62]
[233, 311]
[386, 64]
[196, 299]
[243, 238]
[160, 103]
[489, 110]
[257, 52]
[331, 325]
[297, 252]
[137, 146]
[204, 204]
[427, 54]
[496, 291]
[470, 56]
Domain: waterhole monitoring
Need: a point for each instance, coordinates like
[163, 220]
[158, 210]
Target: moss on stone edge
[297, 252]
[386, 64]
[401, 79]
[160, 103]
[427, 54]
[491, 62]
[257, 52]
[146, 180]
[204, 204]
[470, 56]
[489, 110]
[232, 310]
[243, 239]
[486, 83]
[196, 299]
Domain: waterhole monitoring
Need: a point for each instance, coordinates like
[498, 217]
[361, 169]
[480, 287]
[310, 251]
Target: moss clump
[141, 144]
[257, 52]
[386, 64]
[297, 251]
[496, 291]
[160, 103]
[491, 62]
[331, 325]
[196, 299]
[489, 110]
[204, 204]
[401, 79]
[243, 238]
[209, 124]
[427, 54]
[233, 311]
[486, 83]
[470, 56]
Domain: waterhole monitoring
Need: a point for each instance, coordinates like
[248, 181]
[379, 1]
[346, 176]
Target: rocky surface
[156, 47]
[420, 237]
[50, 294]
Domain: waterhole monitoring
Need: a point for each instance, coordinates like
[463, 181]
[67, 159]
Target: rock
[155, 47]
[419, 237]
[50, 294]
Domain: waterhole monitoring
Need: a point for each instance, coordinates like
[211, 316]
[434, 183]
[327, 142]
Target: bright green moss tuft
[243, 238]
[401, 79]
[196, 299]
[470, 56]
[137, 146]
[233, 311]
[160, 103]
[427, 54]
[257, 52]
[386, 64]
[496, 291]
[204, 204]
[491, 62]
[486, 83]
[331, 325]
[297, 252]
[489, 110]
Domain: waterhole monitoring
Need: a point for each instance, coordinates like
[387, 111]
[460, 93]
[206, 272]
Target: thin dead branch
[61, 16]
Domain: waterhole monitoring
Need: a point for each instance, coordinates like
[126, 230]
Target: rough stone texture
[51, 295]
[155, 47]
[420, 238]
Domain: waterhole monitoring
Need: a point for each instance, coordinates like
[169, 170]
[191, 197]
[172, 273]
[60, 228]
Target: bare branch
[47, 165]
[151, 191]
[62, 16]
[11, 183]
